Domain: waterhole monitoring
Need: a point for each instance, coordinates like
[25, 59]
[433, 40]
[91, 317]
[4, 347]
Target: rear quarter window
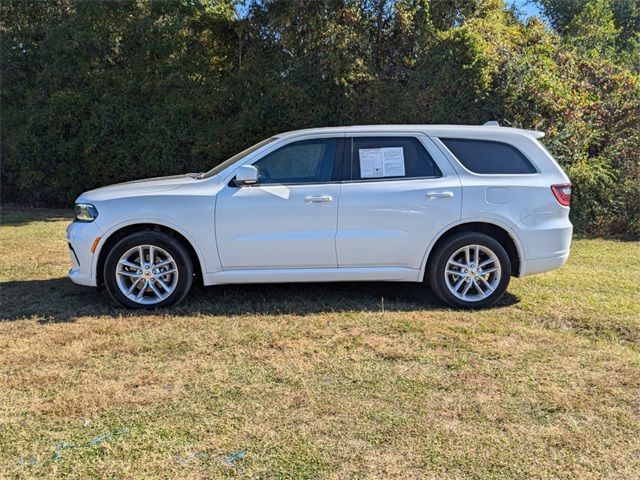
[489, 157]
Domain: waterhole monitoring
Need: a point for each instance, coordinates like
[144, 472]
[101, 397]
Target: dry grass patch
[318, 381]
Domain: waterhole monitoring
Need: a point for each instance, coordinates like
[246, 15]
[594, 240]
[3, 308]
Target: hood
[136, 188]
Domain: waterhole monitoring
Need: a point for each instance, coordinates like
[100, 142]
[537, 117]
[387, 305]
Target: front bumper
[80, 236]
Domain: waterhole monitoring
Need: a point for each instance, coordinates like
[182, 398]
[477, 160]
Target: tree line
[94, 93]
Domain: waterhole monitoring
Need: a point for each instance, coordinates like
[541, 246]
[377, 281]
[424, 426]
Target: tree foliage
[98, 92]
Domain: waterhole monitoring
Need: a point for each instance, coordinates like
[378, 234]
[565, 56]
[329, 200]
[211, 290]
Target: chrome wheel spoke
[466, 289]
[133, 286]
[164, 285]
[129, 264]
[142, 290]
[163, 263]
[486, 262]
[457, 264]
[478, 289]
[155, 290]
[489, 287]
[128, 274]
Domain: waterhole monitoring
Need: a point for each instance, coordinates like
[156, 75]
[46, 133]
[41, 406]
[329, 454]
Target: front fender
[190, 216]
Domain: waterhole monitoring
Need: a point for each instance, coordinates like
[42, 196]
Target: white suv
[461, 207]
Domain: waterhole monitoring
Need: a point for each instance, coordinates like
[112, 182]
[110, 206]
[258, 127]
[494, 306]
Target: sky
[526, 7]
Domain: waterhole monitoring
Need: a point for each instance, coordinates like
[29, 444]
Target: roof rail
[491, 123]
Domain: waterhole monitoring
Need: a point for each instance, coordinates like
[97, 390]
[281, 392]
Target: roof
[477, 131]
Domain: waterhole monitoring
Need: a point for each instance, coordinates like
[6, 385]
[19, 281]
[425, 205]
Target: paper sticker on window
[381, 162]
[393, 162]
[370, 162]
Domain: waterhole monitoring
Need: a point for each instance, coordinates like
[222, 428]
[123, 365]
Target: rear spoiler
[535, 133]
[532, 133]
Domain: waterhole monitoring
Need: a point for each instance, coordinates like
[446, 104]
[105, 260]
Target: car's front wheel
[470, 270]
[148, 269]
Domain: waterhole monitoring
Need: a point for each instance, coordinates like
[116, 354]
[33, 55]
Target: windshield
[238, 156]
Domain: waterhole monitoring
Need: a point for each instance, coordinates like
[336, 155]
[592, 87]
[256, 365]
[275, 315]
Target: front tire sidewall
[159, 239]
[438, 265]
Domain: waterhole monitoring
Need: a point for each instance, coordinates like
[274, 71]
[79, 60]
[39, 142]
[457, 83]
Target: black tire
[438, 264]
[166, 242]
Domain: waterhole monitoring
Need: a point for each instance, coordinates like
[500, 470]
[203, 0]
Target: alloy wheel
[146, 274]
[472, 273]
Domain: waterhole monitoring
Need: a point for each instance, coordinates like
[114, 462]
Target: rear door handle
[439, 194]
[318, 199]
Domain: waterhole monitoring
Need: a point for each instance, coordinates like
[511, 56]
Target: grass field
[317, 381]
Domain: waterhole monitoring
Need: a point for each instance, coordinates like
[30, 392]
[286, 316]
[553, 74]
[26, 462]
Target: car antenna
[491, 123]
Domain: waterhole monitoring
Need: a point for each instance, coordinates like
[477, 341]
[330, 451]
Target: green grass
[318, 381]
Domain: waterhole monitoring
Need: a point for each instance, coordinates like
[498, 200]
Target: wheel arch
[118, 233]
[505, 236]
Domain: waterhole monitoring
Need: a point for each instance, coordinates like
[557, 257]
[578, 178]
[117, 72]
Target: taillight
[562, 193]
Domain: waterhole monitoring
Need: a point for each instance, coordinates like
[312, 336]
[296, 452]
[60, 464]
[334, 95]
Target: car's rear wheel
[470, 270]
[148, 270]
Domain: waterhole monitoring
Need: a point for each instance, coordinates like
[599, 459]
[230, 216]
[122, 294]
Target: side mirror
[246, 175]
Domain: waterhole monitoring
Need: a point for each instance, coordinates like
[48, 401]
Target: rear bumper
[546, 248]
[539, 265]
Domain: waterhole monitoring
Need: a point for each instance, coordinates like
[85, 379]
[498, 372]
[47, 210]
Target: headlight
[85, 212]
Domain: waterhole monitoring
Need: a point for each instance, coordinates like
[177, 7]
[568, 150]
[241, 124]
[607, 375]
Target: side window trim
[393, 179]
[347, 173]
[338, 161]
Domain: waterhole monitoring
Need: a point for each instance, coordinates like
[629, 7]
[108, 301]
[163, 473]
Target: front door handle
[439, 194]
[318, 199]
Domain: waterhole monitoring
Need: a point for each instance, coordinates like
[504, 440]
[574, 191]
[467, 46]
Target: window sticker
[381, 162]
[370, 162]
[393, 162]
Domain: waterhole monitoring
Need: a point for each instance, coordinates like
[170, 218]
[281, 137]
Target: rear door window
[381, 158]
[489, 157]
